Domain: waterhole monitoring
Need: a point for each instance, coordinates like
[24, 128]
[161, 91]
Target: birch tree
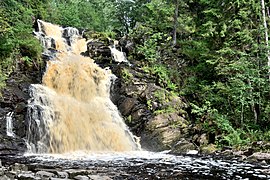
[266, 36]
[175, 22]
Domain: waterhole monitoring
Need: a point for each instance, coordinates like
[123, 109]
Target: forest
[213, 54]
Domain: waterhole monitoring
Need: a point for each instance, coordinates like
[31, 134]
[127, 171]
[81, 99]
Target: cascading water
[72, 109]
[9, 124]
[118, 56]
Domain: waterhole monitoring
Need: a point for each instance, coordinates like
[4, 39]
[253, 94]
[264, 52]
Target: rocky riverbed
[132, 165]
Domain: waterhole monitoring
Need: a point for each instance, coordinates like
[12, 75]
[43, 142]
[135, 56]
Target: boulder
[183, 147]
[63, 175]
[259, 156]
[208, 149]
[45, 174]
[127, 105]
[80, 177]
[163, 131]
[98, 50]
[97, 177]
[28, 176]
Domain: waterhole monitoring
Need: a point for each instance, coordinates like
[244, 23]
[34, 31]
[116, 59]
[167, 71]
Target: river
[128, 165]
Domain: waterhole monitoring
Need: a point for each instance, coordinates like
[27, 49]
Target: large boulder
[163, 131]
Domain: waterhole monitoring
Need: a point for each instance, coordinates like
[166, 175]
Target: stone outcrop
[154, 114]
[14, 100]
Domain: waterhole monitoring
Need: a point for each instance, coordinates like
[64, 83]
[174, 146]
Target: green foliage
[97, 15]
[161, 95]
[149, 104]
[226, 76]
[165, 110]
[150, 46]
[17, 44]
[126, 75]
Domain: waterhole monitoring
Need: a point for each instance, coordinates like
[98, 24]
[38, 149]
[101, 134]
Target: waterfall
[71, 110]
[118, 56]
[9, 124]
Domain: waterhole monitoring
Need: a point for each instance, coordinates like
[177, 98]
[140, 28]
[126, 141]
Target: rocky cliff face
[13, 104]
[154, 114]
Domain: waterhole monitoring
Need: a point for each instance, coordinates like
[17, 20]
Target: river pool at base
[128, 165]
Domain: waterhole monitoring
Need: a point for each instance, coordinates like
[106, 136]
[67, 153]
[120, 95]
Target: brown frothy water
[84, 118]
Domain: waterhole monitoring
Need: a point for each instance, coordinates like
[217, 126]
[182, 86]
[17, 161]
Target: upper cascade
[64, 40]
[72, 110]
[118, 56]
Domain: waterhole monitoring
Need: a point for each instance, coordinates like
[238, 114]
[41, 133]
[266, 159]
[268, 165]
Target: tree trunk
[175, 23]
[266, 36]
[253, 105]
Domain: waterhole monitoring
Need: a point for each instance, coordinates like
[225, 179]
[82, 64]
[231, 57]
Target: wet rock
[135, 89]
[203, 139]
[163, 131]
[76, 172]
[20, 107]
[2, 171]
[97, 177]
[44, 174]
[26, 176]
[227, 152]
[4, 177]
[14, 100]
[264, 162]
[80, 177]
[2, 112]
[151, 112]
[10, 175]
[248, 152]
[99, 51]
[183, 146]
[260, 156]
[19, 167]
[62, 174]
[208, 149]
[192, 152]
[12, 145]
[126, 106]
[138, 114]
[238, 153]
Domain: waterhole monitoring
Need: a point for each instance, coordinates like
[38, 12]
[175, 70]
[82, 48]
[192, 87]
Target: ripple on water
[144, 164]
